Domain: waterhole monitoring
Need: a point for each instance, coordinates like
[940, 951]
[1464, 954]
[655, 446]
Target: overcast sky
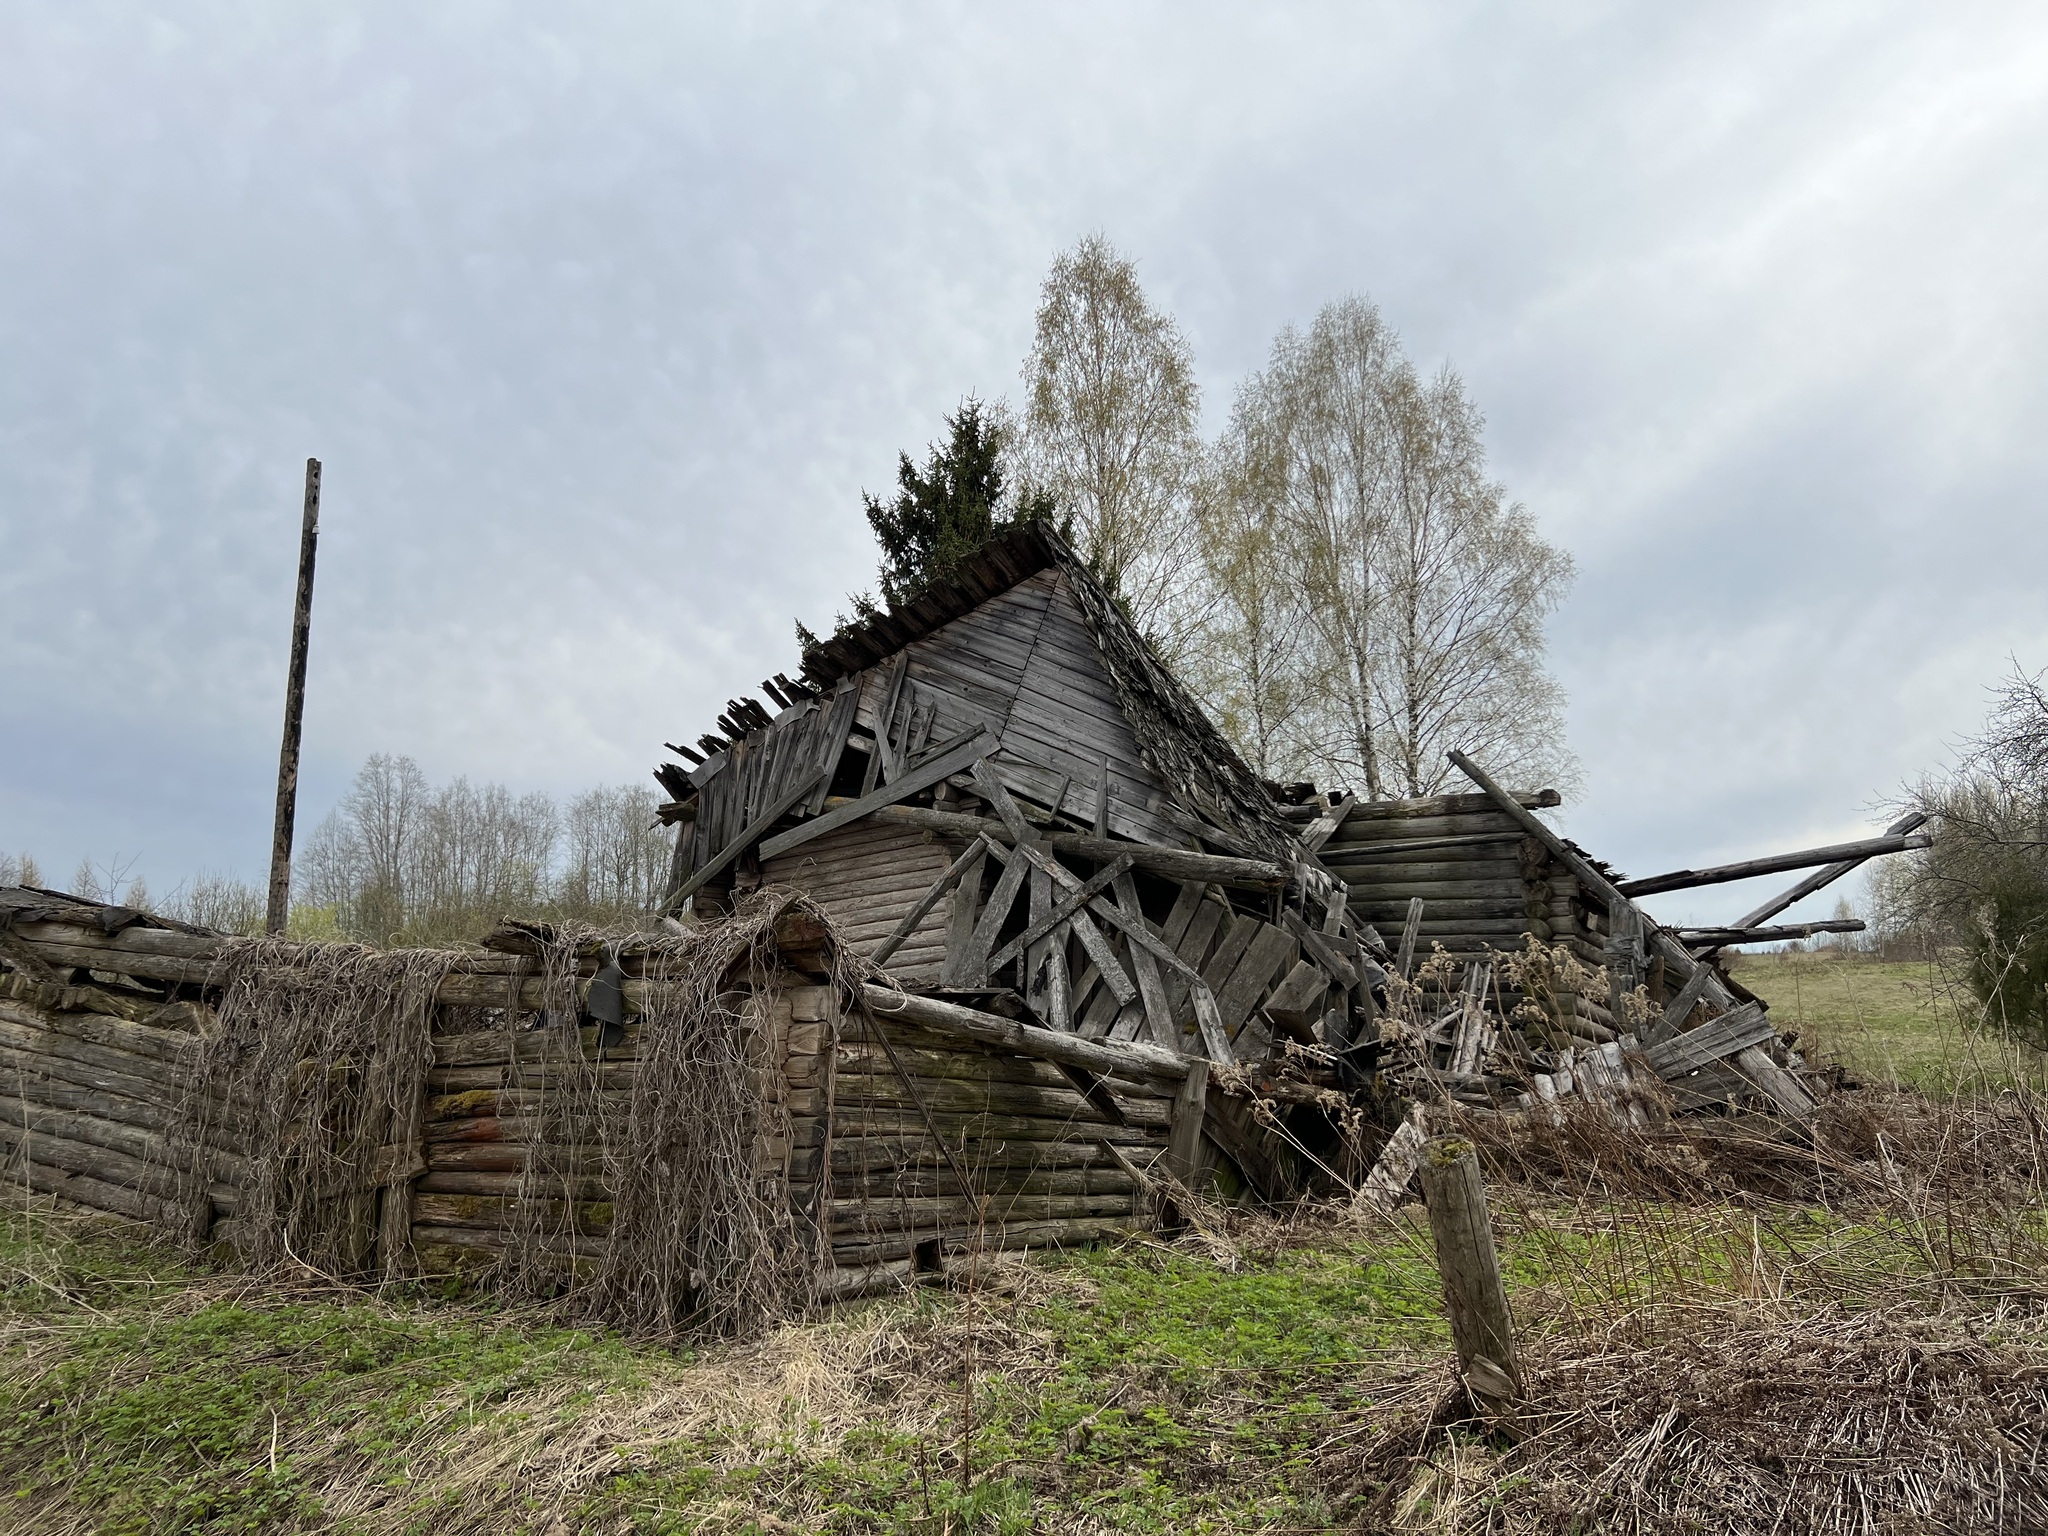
[602, 317]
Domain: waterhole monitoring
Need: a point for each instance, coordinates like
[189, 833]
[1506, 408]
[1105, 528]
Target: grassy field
[1249, 1376]
[1888, 1022]
[1691, 1311]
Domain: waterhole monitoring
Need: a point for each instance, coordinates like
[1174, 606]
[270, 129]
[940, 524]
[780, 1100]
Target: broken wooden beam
[1910, 822]
[1725, 1036]
[1805, 858]
[1129, 1059]
[745, 838]
[926, 902]
[1395, 1169]
[1729, 938]
[909, 782]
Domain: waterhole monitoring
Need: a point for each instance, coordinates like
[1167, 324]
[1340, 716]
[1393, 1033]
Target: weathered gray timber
[1850, 854]
[1820, 878]
[1725, 1036]
[1730, 938]
[1482, 1326]
[294, 710]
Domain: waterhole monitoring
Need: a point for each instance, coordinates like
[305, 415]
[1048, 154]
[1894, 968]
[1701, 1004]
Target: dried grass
[320, 1060]
[1732, 1418]
[704, 1232]
[802, 1392]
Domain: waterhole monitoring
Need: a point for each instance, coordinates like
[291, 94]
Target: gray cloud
[602, 321]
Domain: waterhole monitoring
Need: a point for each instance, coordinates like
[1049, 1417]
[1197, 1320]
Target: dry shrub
[1871, 1142]
[1737, 1419]
[318, 1060]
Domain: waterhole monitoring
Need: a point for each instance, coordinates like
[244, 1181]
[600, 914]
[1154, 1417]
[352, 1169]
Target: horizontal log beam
[1109, 1059]
[476, 981]
[1821, 878]
[1805, 858]
[1363, 812]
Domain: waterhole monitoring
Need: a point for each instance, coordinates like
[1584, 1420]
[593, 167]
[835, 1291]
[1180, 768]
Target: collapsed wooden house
[1043, 957]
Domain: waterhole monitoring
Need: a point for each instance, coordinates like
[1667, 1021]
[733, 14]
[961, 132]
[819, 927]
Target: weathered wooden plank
[973, 968]
[1132, 1060]
[1129, 915]
[1371, 813]
[1724, 1036]
[1780, 1086]
[1322, 949]
[1411, 932]
[908, 783]
[1272, 951]
[739, 843]
[1061, 912]
[971, 859]
[1805, 858]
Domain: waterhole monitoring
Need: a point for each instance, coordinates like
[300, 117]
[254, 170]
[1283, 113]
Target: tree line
[1336, 575]
[402, 860]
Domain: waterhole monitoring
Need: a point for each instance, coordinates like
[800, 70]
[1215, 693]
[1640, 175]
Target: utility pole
[294, 712]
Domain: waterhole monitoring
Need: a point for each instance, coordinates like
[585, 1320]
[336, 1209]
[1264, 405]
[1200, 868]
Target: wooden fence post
[1481, 1326]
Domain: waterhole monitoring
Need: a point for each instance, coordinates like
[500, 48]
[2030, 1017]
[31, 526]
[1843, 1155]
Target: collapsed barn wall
[1483, 883]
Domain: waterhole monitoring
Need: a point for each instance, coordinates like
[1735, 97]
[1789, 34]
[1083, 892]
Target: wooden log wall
[868, 876]
[1036, 1157]
[1483, 884]
[90, 1096]
[1028, 1158]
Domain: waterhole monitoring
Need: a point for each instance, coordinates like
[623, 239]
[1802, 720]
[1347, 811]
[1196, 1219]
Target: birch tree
[1111, 420]
[1248, 656]
[1425, 590]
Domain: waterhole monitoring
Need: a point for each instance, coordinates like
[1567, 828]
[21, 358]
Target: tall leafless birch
[1249, 656]
[1111, 422]
[1425, 590]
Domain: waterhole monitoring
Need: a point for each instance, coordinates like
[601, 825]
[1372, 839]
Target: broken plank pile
[1637, 1027]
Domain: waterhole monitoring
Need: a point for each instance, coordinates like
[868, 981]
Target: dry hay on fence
[704, 1232]
[319, 1060]
[1737, 1418]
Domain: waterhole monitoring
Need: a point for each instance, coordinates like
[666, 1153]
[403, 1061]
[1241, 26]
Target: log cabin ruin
[982, 937]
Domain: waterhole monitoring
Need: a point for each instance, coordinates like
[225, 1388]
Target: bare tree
[1246, 656]
[1979, 894]
[1426, 592]
[618, 851]
[1111, 418]
[220, 902]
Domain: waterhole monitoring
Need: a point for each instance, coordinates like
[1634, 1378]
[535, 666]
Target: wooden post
[1481, 1325]
[294, 712]
[1184, 1125]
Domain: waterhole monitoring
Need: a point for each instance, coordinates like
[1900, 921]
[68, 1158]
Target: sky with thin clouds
[601, 318]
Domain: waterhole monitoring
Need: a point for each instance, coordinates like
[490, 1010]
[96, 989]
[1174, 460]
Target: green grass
[1889, 1022]
[161, 1399]
[1144, 1387]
